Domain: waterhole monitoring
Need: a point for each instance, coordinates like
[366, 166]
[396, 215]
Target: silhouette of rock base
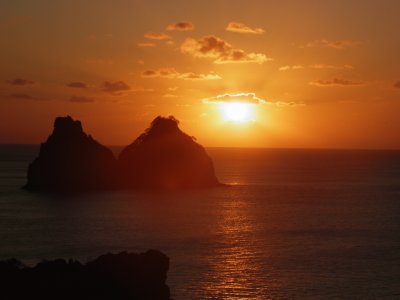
[110, 276]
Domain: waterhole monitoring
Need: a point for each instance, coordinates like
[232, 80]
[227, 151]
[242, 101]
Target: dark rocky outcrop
[164, 157]
[110, 276]
[71, 161]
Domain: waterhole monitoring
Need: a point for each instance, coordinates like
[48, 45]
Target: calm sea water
[296, 224]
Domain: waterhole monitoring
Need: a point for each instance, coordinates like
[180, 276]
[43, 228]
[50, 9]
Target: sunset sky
[299, 73]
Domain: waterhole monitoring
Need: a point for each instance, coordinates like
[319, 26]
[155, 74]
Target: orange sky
[317, 73]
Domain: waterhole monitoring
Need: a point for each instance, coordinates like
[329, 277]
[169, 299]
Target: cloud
[338, 44]
[77, 84]
[171, 73]
[181, 26]
[334, 67]
[336, 82]
[81, 99]
[146, 45]
[295, 67]
[397, 85]
[159, 36]
[317, 66]
[242, 28]
[115, 87]
[238, 97]
[20, 81]
[219, 50]
[169, 96]
[282, 104]
[22, 96]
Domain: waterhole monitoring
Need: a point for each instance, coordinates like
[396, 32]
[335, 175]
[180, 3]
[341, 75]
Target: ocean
[294, 224]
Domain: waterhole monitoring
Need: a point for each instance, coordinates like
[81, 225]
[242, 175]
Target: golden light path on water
[235, 267]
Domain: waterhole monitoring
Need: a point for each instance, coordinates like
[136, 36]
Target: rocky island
[71, 161]
[163, 157]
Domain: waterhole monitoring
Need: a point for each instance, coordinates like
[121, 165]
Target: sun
[237, 112]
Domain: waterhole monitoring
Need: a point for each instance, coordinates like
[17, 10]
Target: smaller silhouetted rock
[70, 161]
[164, 157]
[110, 276]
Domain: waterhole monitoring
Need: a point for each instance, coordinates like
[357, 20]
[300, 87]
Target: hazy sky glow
[313, 73]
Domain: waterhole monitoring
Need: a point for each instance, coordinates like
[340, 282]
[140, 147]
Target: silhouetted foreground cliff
[110, 276]
[163, 157]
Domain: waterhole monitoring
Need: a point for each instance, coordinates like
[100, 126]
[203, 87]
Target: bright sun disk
[238, 112]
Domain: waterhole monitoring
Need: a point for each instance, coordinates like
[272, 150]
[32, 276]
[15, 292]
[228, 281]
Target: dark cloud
[77, 84]
[22, 96]
[181, 26]
[397, 85]
[171, 73]
[242, 28]
[81, 99]
[238, 97]
[336, 82]
[20, 81]
[161, 36]
[338, 44]
[115, 87]
[219, 50]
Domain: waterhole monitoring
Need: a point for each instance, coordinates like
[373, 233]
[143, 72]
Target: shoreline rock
[110, 276]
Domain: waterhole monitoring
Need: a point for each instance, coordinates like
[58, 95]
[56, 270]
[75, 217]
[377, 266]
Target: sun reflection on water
[235, 267]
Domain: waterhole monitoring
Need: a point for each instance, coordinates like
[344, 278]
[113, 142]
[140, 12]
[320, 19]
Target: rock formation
[71, 161]
[110, 276]
[164, 157]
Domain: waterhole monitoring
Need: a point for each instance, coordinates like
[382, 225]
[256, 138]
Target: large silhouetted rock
[71, 161]
[164, 157]
[111, 276]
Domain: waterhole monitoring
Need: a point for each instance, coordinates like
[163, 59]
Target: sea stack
[165, 158]
[71, 161]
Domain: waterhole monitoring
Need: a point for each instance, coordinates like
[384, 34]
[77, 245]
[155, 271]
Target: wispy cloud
[22, 96]
[242, 28]
[333, 67]
[115, 88]
[336, 82]
[20, 81]
[221, 51]
[295, 67]
[77, 84]
[317, 66]
[397, 85]
[171, 73]
[181, 26]
[336, 44]
[237, 97]
[160, 36]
